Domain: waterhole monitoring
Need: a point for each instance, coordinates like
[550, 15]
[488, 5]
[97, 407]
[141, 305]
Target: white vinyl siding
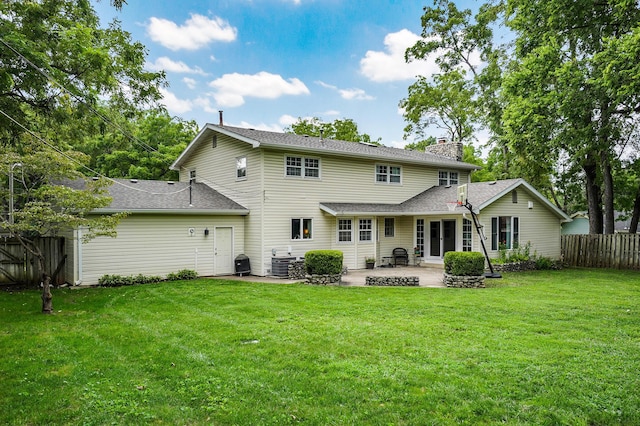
[155, 245]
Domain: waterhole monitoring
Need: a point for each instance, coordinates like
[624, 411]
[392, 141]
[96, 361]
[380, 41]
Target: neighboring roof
[301, 143]
[154, 196]
[436, 199]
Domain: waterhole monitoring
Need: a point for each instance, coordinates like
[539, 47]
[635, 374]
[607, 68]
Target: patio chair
[400, 256]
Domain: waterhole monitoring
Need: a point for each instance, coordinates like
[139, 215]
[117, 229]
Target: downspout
[79, 255]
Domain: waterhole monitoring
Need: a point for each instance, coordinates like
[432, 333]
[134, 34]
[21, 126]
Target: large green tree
[562, 98]
[57, 64]
[341, 129]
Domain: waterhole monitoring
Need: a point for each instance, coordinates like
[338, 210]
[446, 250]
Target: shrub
[183, 274]
[544, 263]
[520, 253]
[120, 280]
[469, 263]
[323, 262]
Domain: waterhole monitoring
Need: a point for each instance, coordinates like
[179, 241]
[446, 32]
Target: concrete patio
[429, 276]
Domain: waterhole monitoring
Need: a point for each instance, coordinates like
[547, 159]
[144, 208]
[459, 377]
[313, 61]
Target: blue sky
[268, 62]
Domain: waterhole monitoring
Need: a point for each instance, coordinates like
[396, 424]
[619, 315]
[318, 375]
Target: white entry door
[223, 251]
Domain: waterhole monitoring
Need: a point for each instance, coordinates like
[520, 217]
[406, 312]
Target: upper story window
[241, 168]
[446, 178]
[302, 167]
[388, 174]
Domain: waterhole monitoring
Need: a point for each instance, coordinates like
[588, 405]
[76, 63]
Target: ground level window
[419, 237]
[505, 232]
[344, 230]
[365, 230]
[301, 229]
[389, 227]
[466, 234]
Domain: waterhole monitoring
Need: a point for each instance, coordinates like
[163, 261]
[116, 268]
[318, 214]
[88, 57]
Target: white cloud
[261, 126]
[287, 120]
[231, 89]
[175, 105]
[348, 94]
[191, 83]
[355, 94]
[166, 64]
[331, 112]
[197, 32]
[390, 64]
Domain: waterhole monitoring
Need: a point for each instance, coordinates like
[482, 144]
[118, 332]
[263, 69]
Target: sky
[266, 63]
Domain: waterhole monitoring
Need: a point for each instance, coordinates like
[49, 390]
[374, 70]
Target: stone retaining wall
[463, 281]
[324, 279]
[393, 281]
[296, 270]
[528, 265]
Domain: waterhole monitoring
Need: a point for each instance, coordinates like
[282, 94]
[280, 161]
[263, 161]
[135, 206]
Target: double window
[302, 167]
[301, 229]
[505, 232]
[388, 174]
[446, 178]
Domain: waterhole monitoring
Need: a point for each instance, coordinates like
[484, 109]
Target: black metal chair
[400, 256]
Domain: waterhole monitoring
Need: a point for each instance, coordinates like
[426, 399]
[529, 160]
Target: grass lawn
[548, 347]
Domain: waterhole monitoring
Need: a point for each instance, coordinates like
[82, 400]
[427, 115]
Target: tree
[341, 129]
[142, 148]
[562, 99]
[56, 66]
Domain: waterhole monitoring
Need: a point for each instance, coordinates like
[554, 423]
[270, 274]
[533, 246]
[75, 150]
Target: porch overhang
[374, 209]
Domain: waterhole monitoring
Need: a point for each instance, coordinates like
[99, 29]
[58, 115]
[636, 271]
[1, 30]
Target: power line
[77, 98]
[54, 148]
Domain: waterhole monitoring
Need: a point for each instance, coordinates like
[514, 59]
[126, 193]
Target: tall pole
[14, 165]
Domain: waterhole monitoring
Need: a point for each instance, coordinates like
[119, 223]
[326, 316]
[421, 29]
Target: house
[580, 223]
[275, 196]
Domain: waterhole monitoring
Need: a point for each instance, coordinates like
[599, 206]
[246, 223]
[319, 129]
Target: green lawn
[552, 347]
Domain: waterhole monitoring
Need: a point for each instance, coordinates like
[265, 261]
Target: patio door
[442, 237]
[223, 251]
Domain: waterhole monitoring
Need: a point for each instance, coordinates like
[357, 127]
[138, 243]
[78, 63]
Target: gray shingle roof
[155, 196]
[435, 199]
[317, 145]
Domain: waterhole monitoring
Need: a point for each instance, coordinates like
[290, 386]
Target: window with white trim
[467, 232]
[302, 167]
[365, 230]
[241, 168]
[345, 230]
[505, 232]
[192, 176]
[301, 229]
[388, 174]
[389, 227]
[446, 177]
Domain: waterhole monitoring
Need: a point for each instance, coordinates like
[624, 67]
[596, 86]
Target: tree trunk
[607, 180]
[47, 304]
[593, 196]
[635, 216]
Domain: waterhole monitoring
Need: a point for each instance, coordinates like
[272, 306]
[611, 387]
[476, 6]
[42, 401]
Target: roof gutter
[208, 212]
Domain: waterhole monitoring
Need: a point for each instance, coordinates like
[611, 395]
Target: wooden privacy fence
[19, 266]
[618, 251]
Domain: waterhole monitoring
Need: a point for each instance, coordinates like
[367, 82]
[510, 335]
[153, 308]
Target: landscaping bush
[184, 274]
[120, 280]
[544, 263]
[323, 262]
[469, 263]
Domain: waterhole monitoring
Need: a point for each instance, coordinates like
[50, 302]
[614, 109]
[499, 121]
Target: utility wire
[79, 99]
[53, 147]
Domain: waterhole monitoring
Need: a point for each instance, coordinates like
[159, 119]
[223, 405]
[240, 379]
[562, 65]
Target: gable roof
[154, 196]
[434, 201]
[316, 145]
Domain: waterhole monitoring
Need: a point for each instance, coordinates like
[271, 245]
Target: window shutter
[494, 233]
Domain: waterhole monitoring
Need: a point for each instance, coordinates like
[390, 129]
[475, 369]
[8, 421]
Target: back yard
[548, 347]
